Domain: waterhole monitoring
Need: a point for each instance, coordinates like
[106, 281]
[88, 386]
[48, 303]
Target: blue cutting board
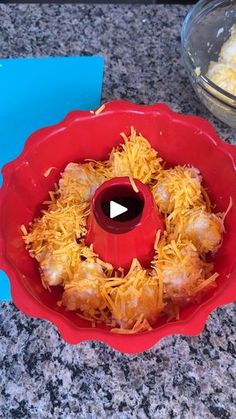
[36, 92]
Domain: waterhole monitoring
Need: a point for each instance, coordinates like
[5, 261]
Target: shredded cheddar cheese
[100, 110]
[229, 208]
[23, 230]
[127, 302]
[178, 188]
[158, 236]
[133, 296]
[81, 180]
[48, 171]
[180, 269]
[204, 229]
[52, 238]
[135, 158]
[133, 184]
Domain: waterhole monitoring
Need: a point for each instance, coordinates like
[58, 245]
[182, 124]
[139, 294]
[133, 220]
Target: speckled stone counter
[41, 376]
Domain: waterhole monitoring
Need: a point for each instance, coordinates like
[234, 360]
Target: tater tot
[204, 229]
[84, 291]
[53, 269]
[178, 187]
[137, 295]
[179, 267]
[83, 295]
[86, 178]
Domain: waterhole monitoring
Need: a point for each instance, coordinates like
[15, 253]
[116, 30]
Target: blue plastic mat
[36, 92]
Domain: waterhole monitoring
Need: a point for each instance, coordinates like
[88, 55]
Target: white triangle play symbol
[116, 209]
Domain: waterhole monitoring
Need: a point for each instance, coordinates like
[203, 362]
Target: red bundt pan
[179, 139]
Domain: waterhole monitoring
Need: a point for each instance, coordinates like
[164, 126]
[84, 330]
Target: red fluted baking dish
[179, 139]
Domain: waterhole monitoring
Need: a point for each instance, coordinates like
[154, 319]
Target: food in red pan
[127, 300]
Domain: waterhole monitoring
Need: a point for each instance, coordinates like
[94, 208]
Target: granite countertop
[181, 377]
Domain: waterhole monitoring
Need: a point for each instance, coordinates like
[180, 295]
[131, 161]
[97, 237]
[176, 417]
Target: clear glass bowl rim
[199, 10]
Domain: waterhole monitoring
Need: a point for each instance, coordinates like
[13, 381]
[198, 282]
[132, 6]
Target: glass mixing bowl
[205, 29]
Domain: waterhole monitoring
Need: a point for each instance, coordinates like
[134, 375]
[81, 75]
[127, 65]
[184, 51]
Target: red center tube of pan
[131, 234]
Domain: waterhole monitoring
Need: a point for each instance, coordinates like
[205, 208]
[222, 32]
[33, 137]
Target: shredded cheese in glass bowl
[209, 54]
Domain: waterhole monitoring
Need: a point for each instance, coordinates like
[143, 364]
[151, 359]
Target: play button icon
[120, 204]
[116, 209]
